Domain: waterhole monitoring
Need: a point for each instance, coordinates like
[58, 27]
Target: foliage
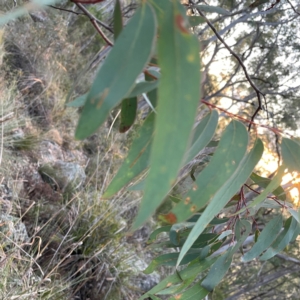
[213, 219]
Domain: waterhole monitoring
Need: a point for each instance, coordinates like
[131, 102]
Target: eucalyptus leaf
[178, 53]
[291, 154]
[225, 193]
[211, 9]
[265, 239]
[283, 239]
[119, 71]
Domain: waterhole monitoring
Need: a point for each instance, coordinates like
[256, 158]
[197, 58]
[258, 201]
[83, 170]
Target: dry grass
[77, 247]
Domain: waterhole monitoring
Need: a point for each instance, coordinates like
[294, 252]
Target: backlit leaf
[290, 154]
[263, 182]
[203, 133]
[212, 9]
[225, 161]
[226, 192]
[273, 185]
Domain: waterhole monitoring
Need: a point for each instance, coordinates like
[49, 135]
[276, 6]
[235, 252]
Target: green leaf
[137, 160]
[140, 88]
[221, 266]
[143, 87]
[225, 193]
[296, 233]
[170, 259]
[194, 268]
[153, 297]
[177, 230]
[295, 214]
[195, 20]
[19, 11]
[179, 89]
[78, 102]
[202, 134]
[196, 292]
[217, 271]
[118, 19]
[128, 114]
[119, 71]
[265, 239]
[273, 185]
[225, 161]
[137, 187]
[211, 9]
[283, 239]
[174, 289]
[244, 227]
[157, 231]
[290, 154]
[263, 182]
[225, 234]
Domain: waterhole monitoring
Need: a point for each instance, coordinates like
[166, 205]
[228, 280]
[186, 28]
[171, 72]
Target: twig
[105, 38]
[92, 17]
[258, 92]
[275, 130]
[67, 10]
[293, 7]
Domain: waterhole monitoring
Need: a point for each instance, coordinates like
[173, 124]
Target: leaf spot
[193, 208]
[180, 23]
[187, 200]
[170, 218]
[102, 98]
[190, 58]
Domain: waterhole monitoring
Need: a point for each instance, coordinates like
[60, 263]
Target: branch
[258, 92]
[94, 21]
[294, 9]
[67, 10]
[264, 281]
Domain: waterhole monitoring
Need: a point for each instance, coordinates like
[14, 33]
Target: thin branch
[67, 10]
[83, 14]
[94, 21]
[258, 92]
[294, 9]
[92, 17]
[232, 115]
